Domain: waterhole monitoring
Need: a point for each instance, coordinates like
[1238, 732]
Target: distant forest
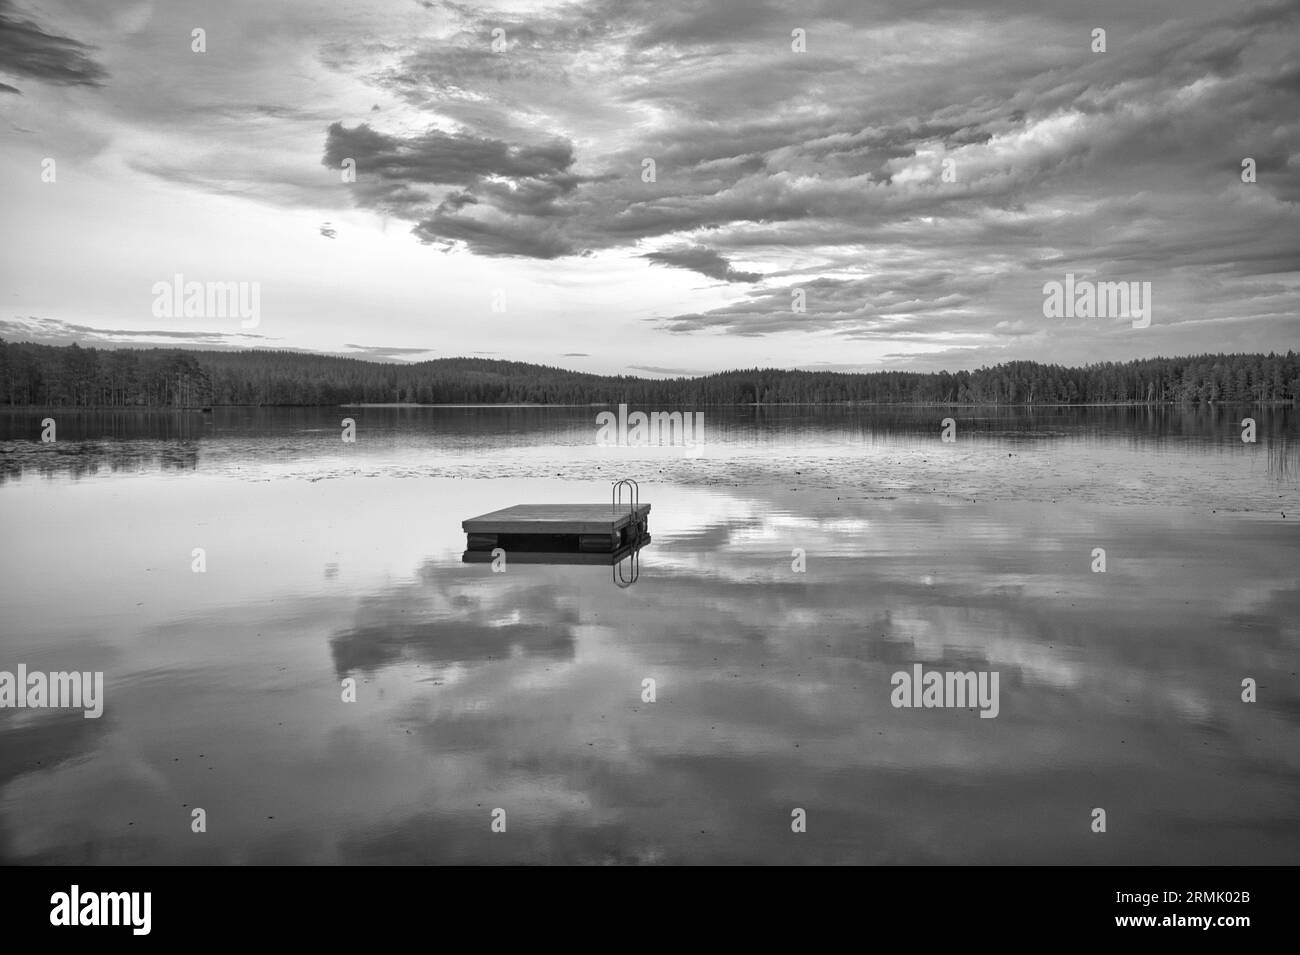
[71, 376]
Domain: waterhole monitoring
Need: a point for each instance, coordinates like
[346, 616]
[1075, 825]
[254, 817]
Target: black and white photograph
[747, 433]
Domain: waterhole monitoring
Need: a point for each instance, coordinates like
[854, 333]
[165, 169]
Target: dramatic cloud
[702, 260]
[893, 185]
[28, 50]
[506, 192]
[808, 160]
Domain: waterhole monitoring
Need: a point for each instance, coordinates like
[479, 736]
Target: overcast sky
[516, 175]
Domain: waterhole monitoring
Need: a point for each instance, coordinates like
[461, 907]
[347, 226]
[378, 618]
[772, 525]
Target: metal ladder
[634, 502]
[633, 493]
[634, 569]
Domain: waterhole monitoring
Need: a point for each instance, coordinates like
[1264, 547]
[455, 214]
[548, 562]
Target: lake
[801, 558]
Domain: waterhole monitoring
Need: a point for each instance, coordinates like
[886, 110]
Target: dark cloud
[505, 193]
[702, 260]
[6, 88]
[919, 306]
[26, 49]
[435, 157]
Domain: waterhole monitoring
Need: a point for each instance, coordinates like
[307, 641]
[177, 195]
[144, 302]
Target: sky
[837, 184]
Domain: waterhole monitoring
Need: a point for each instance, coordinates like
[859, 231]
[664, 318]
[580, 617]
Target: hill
[56, 376]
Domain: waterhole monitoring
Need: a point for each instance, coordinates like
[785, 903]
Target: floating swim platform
[561, 533]
[598, 530]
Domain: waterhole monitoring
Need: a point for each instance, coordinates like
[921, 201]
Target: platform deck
[555, 530]
[555, 519]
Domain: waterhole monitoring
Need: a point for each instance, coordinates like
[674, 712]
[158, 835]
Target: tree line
[72, 376]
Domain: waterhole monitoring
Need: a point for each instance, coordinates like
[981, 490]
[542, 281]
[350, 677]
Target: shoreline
[163, 409]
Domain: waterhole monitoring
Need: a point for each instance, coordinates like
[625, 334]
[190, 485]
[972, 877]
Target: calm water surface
[523, 690]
